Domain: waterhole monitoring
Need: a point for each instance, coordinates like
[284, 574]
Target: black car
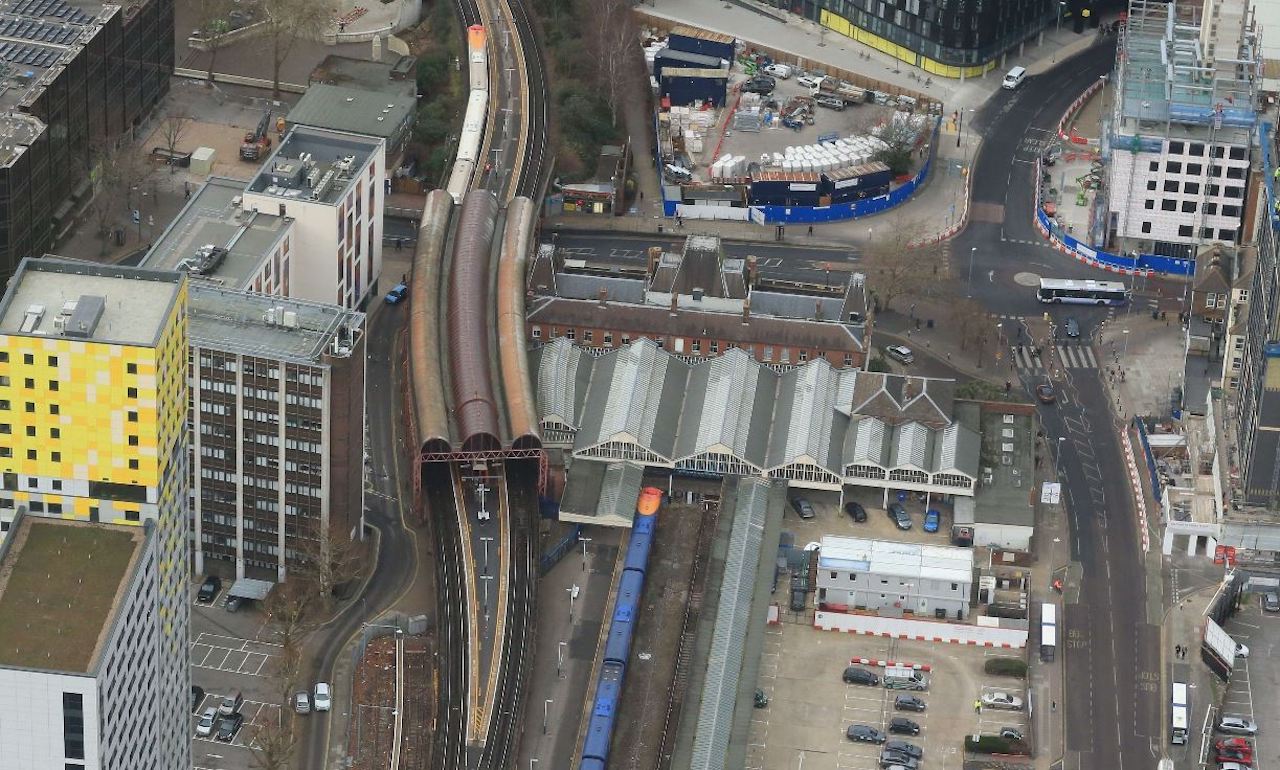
[1073, 328]
[855, 511]
[1271, 601]
[763, 86]
[228, 726]
[902, 747]
[908, 703]
[899, 516]
[802, 507]
[209, 589]
[197, 695]
[864, 734]
[892, 760]
[903, 726]
[855, 675]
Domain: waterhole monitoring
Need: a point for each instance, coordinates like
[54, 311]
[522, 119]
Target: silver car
[1235, 725]
[204, 728]
[302, 703]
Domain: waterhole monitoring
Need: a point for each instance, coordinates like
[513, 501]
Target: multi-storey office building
[93, 406]
[1182, 128]
[81, 660]
[277, 421]
[73, 76]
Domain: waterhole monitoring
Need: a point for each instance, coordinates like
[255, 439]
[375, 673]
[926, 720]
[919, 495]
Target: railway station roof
[732, 415]
[601, 493]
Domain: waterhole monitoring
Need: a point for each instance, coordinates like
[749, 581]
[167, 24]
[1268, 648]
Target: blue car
[931, 520]
[397, 293]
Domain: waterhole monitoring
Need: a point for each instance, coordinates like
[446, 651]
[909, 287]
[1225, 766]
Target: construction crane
[257, 141]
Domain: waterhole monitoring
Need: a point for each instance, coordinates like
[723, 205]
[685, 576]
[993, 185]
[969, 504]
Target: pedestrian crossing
[1066, 357]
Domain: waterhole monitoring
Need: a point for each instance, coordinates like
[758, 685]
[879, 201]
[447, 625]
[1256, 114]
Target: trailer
[847, 92]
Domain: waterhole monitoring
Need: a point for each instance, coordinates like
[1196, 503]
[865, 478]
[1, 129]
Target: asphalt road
[395, 559]
[781, 261]
[1111, 654]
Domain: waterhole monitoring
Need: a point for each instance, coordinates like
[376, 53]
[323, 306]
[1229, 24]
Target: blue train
[617, 647]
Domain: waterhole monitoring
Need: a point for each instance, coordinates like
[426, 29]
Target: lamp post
[1062, 4]
[972, 252]
[584, 541]
[573, 594]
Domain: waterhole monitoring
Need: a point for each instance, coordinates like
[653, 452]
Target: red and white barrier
[1139, 498]
[921, 630]
[1071, 113]
[886, 663]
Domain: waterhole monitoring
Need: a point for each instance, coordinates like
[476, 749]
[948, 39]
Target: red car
[1241, 756]
[1234, 743]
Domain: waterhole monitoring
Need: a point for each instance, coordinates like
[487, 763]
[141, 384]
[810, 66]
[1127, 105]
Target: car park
[901, 353]
[931, 520]
[830, 102]
[209, 589]
[802, 507]
[903, 747]
[899, 516]
[903, 726]
[322, 697]
[855, 511]
[1237, 725]
[865, 734]
[1001, 700]
[204, 728]
[397, 293]
[1045, 394]
[855, 675]
[302, 703]
[228, 726]
[1271, 601]
[909, 703]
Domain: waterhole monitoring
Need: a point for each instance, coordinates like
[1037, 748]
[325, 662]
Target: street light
[972, 252]
[1062, 4]
[573, 594]
[1125, 355]
[584, 541]
[486, 541]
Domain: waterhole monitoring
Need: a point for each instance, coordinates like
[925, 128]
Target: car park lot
[232, 652]
[830, 519]
[810, 707]
[1252, 693]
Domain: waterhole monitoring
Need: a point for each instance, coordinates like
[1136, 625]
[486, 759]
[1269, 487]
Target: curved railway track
[533, 172]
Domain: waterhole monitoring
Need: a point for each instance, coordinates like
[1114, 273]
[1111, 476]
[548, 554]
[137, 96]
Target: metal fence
[558, 551]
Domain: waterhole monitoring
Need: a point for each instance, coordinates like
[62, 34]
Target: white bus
[1181, 715]
[1048, 631]
[1058, 290]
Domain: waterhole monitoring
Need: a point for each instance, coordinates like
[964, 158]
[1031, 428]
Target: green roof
[352, 110]
[59, 586]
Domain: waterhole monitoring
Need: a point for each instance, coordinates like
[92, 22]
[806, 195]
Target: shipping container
[668, 58]
[863, 181]
[682, 90]
[701, 41]
[786, 189]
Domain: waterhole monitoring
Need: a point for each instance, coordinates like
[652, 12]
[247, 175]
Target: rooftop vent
[206, 259]
[84, 319]
[32, 318]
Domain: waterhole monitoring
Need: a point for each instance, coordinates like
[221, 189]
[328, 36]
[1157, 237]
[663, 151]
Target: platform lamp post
[546, 707]
[584, 541]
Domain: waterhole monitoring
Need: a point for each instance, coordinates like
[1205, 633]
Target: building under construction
[1183, 123]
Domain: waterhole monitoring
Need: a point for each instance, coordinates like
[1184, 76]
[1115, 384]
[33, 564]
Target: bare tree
[614, 39]
[970, 321]
[274, 743]
[213, 25]
[329, 562]
[172, 130]
[287, 22]
[116, 173]
[896, 268]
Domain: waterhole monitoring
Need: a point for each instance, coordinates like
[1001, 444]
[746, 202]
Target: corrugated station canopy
[604, 494]
[731, 415]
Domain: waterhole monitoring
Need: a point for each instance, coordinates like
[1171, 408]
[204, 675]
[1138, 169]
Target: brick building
[698, 304]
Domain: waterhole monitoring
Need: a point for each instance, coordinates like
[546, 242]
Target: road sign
[1050, 493]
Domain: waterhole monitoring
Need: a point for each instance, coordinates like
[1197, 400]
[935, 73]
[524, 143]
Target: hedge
[1006, 667]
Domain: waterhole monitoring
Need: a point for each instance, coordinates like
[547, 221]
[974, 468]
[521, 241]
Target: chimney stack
[746, 312]
[751, 270]
[655, 256]
[603, 295]
[674, 299]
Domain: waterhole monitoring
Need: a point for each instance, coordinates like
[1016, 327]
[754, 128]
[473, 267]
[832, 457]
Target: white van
[778, 70]
[1014, 78]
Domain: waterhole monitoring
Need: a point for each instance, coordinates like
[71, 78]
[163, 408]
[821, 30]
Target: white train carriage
[477, 114]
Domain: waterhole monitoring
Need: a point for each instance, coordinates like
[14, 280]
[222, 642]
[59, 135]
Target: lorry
[258, 141]
[905, 678]
[849, 93]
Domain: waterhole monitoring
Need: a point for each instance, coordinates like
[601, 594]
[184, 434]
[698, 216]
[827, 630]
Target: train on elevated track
[477, 114]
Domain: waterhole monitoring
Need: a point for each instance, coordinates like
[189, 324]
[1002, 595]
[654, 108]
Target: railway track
[533, 171]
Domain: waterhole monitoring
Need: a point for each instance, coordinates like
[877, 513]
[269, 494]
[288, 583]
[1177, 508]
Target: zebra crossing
[1067, 357]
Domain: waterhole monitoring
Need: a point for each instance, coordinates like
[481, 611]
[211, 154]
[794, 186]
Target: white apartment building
[925, 580]
[82, 680]
[332, 185]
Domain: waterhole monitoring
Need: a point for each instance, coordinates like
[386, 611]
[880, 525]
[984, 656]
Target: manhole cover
[1027, 279]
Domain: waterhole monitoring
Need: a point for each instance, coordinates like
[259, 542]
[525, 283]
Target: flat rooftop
[353, 109]
[886, 557]
[52, 297]
[1006, 485]
[271, 327]
[61, 583]
[315, 165]
[214, 217]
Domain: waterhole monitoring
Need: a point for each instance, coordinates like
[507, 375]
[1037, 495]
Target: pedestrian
[810, 229]
[977, 706]
[1177, 651]
[642, 195]
[1053, 705]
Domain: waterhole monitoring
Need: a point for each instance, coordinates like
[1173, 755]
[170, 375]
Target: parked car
[197, 695]
[864, 734]
[903, 726]
[322, 698]
[901, 353]
[1242, 650]
[855, 511]
[397, 293]
[830, 102]
[894, 759]
[1045, 394]
[204, 728]
[302, 703]
[1001, 700]
[228, 726]
[1012, 733]
[231, 704]
[931, 520]
[807, 81]
[903, 747]
[802, 507]
[209, 589]
[1073, 328]
[1235, 755]
[778, 70]
[1234, 766]
[1271, 601]
[855, 675]
[760, 700]
[899, 516]
[1237, 725]
[908, 703]
[758, 85]
[233, 603]
[1233, 743]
